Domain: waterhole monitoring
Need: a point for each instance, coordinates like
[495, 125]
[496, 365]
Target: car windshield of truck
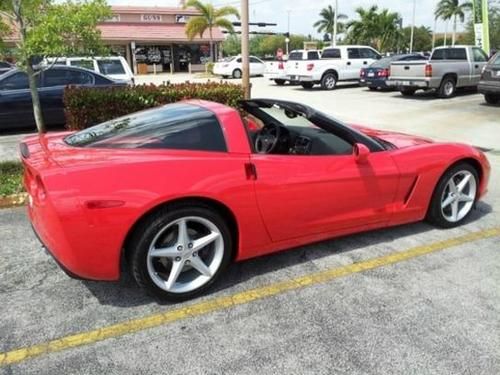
[110, 67]
[295, 56]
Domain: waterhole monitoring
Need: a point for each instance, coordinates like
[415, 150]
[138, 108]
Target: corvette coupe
[180, 191]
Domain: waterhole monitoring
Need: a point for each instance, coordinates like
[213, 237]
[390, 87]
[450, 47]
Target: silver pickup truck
[448, 68]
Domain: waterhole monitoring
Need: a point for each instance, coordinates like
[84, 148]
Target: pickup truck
[448, 68]
[336, 64]
[276, 70]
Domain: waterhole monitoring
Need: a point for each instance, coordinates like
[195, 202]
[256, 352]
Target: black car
[5, 67]
[489, 85]
[16, 109]
[376, 75]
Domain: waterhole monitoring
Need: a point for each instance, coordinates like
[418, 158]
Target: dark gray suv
[489, 85]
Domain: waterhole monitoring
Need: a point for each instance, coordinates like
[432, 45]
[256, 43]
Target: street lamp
[413, 25]
[287, 41]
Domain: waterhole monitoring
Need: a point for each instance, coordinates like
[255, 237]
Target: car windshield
[110, 67]
[173, 126]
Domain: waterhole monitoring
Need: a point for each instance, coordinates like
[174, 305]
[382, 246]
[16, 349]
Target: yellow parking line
[221, 303]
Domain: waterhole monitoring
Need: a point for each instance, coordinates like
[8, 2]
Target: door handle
[476, 66]
[407, 68]
[348, 63]
[365, 62]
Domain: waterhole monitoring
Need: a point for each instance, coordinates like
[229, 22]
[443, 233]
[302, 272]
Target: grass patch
[11, 178]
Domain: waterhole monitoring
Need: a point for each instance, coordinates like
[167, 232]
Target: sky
[303, 13]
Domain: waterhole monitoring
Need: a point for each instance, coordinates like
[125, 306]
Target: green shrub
[11, 178]
[85, 107]
[210, 67]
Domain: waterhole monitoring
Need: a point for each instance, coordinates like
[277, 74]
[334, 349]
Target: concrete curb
[13, 200]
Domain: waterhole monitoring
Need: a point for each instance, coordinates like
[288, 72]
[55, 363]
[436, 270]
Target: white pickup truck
[276, 70]
[336, 64]
[447, 69]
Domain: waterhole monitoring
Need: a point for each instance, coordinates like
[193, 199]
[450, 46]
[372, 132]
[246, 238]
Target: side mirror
[361, 152]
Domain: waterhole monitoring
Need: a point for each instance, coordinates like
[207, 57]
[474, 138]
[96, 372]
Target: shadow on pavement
[125, 293]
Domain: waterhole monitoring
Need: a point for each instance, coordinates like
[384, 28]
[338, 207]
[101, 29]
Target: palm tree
[208, 19]
[379, 29]
[326, 23]
[452, 9]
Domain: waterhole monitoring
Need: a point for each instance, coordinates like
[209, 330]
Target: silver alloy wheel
[330, 82]
[458, 196]
[237, 74]
[185, 254]
[449, 88]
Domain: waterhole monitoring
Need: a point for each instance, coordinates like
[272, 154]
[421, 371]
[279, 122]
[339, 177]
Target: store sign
[181, 18]
[481, 29]
[151, 18]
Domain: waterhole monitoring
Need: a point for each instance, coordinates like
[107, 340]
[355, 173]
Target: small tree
[326, 23]
[210, 17]
[46, 29]
[452, 9]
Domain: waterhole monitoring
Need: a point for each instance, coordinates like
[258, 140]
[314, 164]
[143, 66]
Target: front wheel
[328, 81]
[492, 99]
[454, 196]
[279, 82]
[180, 251]
[237, 74]
[307, 85]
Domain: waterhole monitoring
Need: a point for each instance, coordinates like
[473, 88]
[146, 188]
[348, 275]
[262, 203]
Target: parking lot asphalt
[432, 314]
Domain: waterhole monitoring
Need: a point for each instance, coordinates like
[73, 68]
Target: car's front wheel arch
[195, 201]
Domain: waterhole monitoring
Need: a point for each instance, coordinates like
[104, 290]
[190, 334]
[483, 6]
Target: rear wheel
[178, 252]
[279, 82]
[237, 73]
[371, 88]
[448, 88]
[307, 85]
[454, 196]
[492, 99]
[328, 81]
[407, 91]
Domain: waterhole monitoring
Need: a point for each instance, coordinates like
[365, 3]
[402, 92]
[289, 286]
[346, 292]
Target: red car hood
[400, 140]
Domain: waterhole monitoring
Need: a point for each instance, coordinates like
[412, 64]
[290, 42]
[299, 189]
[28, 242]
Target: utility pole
[413, 25]
[434, 34]
[335, 23]
[245, 53]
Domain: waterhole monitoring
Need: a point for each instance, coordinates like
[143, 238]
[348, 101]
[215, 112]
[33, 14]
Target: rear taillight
[428, 70]
[383, 73]
[362, 73]
[310, 67]
[25, 152]
[281, 66]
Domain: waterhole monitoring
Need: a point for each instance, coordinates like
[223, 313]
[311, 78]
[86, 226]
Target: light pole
[245, 54]
[287, 41]
[335, 23]
[413, 25]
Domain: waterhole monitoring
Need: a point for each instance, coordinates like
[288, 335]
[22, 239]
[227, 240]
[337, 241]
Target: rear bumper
[408, 83]
[488, 88]
[369, 82]
[301, 78]
[273, 76]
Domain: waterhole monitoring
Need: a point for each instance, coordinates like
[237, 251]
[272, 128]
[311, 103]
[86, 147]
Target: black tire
[237, 73]
[448, 88]
[224, 77]
[371, 88]
[435, 215]
[329, 81]
[407, 91]
[140, 241]
[492, 99]
[307, 85]
[279, 82]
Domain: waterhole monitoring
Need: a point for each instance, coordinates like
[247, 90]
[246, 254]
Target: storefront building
[153, 39]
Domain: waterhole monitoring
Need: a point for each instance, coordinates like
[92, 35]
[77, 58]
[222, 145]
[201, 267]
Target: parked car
[337, 64]
[276, 70]
[376, 75]
[16, 109]
[489, 85]
[449, 68]
[114, 67]
[232, 67]
[231, 188]
[5, 67]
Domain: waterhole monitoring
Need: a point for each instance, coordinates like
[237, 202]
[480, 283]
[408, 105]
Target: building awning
[156, 32]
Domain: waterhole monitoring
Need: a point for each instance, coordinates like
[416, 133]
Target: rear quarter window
[177, 126]
[331, 53]
[295, 56]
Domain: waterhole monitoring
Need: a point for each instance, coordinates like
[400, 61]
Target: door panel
[304, 195]
[16, 110]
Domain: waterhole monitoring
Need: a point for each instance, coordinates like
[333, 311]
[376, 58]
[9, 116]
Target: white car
[341, 63]
[114, 67]
[231, 67]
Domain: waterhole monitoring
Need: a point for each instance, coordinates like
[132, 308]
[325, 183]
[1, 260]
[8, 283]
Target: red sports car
[182, 190]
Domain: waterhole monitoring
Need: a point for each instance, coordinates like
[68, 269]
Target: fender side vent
[411, 190]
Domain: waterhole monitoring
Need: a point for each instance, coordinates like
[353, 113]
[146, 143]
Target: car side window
[312, 55]
[17, 81]
[478, 55]
[87, 64]
[456, 54]
[253, 60]
[238, 60]
[331, 53]
[353, 53]
[63, 77]
[496, 60]
[368, 53]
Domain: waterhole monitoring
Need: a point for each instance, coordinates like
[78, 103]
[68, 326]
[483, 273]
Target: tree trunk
[454, 30]
[37, 109]
[445, 32]
[211, 45]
